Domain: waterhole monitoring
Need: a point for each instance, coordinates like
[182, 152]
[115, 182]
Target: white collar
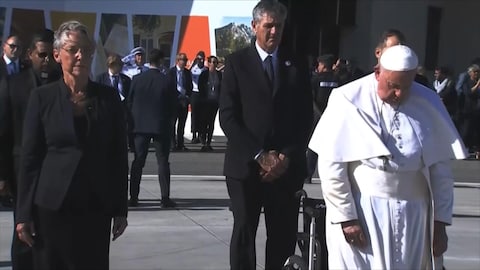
[263, 54]
[8, 60]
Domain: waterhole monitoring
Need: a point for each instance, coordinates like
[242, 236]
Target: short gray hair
[273, 8]
[62, 32]
[473, 67]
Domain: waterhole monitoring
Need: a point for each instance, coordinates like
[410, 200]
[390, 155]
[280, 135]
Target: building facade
[442, 32]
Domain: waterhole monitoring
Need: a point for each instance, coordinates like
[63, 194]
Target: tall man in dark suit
[152, 102]
[266, 114]
[182, 86]
[10, 63]
[14, 94]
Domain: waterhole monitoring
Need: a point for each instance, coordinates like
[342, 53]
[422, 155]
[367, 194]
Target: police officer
[134, 62]
[323, 81]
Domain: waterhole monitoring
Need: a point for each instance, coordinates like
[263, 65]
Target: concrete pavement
[195, 235]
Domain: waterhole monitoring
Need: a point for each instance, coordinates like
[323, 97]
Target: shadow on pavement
[5, 263]
[465, 216]
[183, 204]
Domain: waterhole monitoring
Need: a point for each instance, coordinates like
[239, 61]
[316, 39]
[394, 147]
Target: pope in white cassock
[384, 147]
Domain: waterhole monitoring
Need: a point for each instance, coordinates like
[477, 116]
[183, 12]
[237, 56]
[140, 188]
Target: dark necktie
[269, 69]
[14, 68]
[115, 80]
[180, 79]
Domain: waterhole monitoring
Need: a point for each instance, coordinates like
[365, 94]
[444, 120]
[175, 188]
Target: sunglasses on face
[74, 50]
[13, 46]
[44, 55]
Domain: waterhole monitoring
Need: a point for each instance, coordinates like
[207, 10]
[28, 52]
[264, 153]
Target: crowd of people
[382, 142]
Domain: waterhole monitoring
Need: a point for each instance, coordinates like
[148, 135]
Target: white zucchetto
[399, 58]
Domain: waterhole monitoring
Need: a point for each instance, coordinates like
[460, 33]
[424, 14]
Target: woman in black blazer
[74, 170]
[209, 87]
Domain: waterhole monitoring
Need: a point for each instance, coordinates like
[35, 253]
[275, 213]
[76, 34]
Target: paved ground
[195, 236]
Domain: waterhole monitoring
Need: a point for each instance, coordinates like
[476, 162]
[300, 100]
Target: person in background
[10, 63]
[121, 83]
[445, 88]
[464, 75]
[73, 171]
[384, 146]
[323, 82]
[266, 114]
[152, 104]
[470, 110]
[196, 101]
[14, 94]
[421, 77]
[182, 85]
[209, 85]
[134, 62]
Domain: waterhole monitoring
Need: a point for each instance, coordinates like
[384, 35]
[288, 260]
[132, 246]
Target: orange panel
[194, 36]
[88, 19]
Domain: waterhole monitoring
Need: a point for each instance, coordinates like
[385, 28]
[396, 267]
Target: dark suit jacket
[203, 84]
[151, 101]
[4, 70]
[449, 97]
[253, 118]
[14, 95]
[104, 78]
[187, 80]
[51, 152]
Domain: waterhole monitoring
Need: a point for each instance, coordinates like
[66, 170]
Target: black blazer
[51, 152]
[104, 78]
[14, 94]
[4, 70]
[203, 84]
[152, 101]
[187, 80]
[254, 117]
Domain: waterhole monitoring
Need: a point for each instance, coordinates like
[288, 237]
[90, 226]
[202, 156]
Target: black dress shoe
[195, 140]
[133, 202]
[167, 203]
[184, 149]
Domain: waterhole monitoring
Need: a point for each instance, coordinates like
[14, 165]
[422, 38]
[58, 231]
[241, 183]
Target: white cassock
[389, 168]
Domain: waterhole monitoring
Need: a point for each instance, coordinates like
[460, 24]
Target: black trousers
[210, 109]
[470, 130]
[21, 253]
[281, 219]
[67, 240]
[162, 152]
[196, 112]
[179, 116]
